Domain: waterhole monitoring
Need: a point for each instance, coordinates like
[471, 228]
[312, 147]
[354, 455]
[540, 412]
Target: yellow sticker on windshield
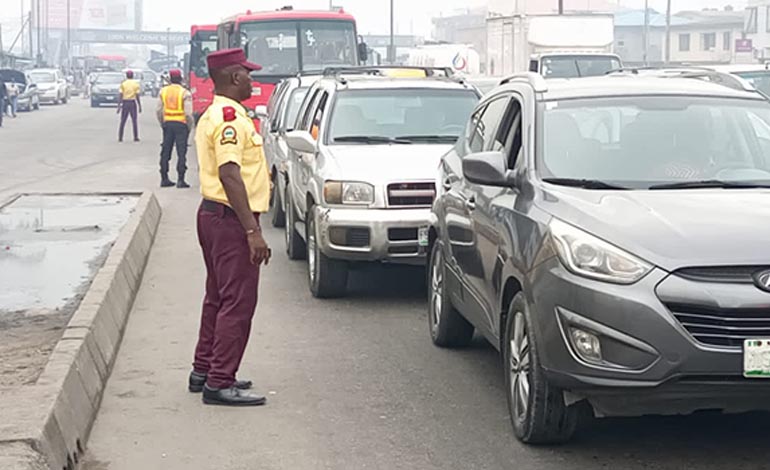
[405, 73]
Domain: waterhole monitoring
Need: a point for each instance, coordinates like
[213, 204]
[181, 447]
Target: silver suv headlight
[588, 256]
[346, 192]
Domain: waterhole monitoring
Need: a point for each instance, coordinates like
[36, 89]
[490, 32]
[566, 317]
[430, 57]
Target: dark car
[150, 83]
[29, 98]
[607, 235]
[106, 88]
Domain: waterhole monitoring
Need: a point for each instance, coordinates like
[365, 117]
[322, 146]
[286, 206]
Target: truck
[461, 58]
[555, 46]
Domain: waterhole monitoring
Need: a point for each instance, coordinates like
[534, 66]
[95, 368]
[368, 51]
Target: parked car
[106, 88]
[276, 119]
[362, 170]
[52, 86]
[603, 234]
[150, 83]
[28, 92]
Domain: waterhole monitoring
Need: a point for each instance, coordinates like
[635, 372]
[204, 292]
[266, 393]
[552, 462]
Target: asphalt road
[352, 383]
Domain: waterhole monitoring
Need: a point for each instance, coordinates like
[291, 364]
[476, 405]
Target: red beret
[228, 57]
[175, 73]
[130, 74]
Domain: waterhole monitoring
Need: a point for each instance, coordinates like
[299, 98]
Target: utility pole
[668, 32]
[31, 36]
[39, 37]
[561, 7]
[69, 38]
[392, 47]
[168, 42]
[646, 33]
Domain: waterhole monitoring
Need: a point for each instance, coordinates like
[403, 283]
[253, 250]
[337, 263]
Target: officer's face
[242, 82]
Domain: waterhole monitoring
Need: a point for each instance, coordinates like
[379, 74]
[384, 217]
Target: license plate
[756, 358]
[422, 236]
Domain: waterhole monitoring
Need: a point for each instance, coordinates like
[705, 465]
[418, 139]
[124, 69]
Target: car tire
[328, 277]
[65, 99]
[537, 409]
[37, 106]
[94, 104]
[278, 218]
[295, 245]
[448, 328]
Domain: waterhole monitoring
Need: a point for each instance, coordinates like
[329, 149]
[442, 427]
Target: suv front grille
[723, 327]
[411, 194]
[721, 274]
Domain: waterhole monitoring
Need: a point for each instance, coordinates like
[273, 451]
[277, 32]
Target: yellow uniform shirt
[220, 141]
[130, 89]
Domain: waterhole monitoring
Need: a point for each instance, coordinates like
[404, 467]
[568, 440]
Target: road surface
[352, 383]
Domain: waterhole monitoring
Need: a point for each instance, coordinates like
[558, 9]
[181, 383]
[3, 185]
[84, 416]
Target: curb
[46, 425]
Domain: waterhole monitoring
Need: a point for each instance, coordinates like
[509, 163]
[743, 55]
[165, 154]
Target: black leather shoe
[197, 381]
[166, 183]
[182, 184]
[231, 397]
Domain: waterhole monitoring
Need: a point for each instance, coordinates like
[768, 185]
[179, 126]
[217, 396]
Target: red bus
[203, 40]
[285, 42]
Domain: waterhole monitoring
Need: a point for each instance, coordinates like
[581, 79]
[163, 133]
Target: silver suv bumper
[393, 235]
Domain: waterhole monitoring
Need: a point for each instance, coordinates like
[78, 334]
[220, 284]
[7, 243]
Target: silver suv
[362, 170]
[608, 235]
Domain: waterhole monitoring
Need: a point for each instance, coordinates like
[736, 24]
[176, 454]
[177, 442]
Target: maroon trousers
[231, 295]
[128, 109]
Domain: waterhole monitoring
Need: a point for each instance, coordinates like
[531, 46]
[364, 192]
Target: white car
[362, 170]
[52, 87]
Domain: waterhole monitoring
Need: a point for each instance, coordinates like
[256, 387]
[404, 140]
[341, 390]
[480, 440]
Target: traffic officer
[129, 104]
[235, 185]
[174, 113]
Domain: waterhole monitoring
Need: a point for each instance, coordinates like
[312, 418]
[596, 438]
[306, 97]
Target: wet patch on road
[51, 246]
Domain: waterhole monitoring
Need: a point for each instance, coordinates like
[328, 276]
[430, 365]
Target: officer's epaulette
[228, 113]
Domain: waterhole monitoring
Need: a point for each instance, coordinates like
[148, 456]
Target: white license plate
[756, 358]
[422, 236]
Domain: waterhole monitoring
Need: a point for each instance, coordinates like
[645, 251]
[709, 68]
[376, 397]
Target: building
[629, 37]
[706, 37]
[547, 7]
[467, 27]
[757, 29]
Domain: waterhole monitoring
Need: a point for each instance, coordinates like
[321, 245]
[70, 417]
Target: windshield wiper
[429, 138]
[370, 139]
[583, 183]
[704, 184]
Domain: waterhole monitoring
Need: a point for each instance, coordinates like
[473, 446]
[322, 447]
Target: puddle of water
[51, 247]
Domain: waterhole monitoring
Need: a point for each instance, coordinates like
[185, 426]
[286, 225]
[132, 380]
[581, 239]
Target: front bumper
[392, 235]
[650, 363]
[105, 98]
[49, 96]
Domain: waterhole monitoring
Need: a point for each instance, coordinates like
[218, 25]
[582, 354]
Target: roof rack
[702, 73]
[377, 70]
[535, 80]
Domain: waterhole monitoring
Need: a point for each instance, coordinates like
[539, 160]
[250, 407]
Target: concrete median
[45, 425]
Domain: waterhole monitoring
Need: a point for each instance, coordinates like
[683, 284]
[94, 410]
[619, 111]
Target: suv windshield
[42, 77]
[578, 66]
[419, 115]
[644, 142]
[109, 79]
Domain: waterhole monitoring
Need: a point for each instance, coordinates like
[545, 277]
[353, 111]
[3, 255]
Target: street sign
[744, 45]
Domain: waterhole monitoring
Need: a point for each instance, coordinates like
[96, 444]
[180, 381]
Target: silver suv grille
[412, 194]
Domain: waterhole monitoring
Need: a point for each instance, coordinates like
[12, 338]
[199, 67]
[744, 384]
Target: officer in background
[129, 104]
[235, 185]
[174, 113]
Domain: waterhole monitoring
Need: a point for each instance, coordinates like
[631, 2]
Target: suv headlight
[343, 192]
[588, 256]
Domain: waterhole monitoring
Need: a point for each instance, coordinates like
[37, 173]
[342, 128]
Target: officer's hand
[258, 250]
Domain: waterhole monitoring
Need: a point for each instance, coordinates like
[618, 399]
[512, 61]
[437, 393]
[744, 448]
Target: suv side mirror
[261, 111]
[301, 141]
[487, 169]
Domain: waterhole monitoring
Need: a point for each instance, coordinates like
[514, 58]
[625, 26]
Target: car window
[476, 134]
[643, 141]
[274, 105]
[424, 115]
[315, 127]
[309, 108]
[511, 133]
[292, 106]
[484, 137]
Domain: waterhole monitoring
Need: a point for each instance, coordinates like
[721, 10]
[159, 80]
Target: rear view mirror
[261, 111]
[363, 52]
[487, 169]
[301, 141]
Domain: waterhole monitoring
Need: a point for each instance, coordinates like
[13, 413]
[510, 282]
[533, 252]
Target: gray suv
[609, 236]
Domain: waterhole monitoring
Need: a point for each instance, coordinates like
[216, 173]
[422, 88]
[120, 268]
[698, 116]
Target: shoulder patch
[229, 136]
[228, 113]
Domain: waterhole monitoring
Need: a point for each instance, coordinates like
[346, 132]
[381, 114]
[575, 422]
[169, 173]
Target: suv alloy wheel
[537, 409]
[447, 327]
[328, 278]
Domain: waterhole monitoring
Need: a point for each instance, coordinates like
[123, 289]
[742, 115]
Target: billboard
[90, 14]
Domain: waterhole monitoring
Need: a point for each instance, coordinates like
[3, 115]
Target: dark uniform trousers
[174, 133]
[128, 109]
[231, 294]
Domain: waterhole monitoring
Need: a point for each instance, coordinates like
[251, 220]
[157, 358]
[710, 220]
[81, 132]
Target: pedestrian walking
[129, 105]
[3, 93]
[176, 119]
[12, 91]
[235, 185]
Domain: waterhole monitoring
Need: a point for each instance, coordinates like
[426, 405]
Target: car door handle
[447, 184]
[470, 203]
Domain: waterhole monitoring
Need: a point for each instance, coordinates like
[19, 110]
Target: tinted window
[578, 66]
[475, 139]
[760, 79]
[638, 142]
[292, 107]
[431, 115]
[42, 77]
[485, 136]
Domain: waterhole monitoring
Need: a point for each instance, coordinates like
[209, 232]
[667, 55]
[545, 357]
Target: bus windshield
[202, 44]
[287, 47]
